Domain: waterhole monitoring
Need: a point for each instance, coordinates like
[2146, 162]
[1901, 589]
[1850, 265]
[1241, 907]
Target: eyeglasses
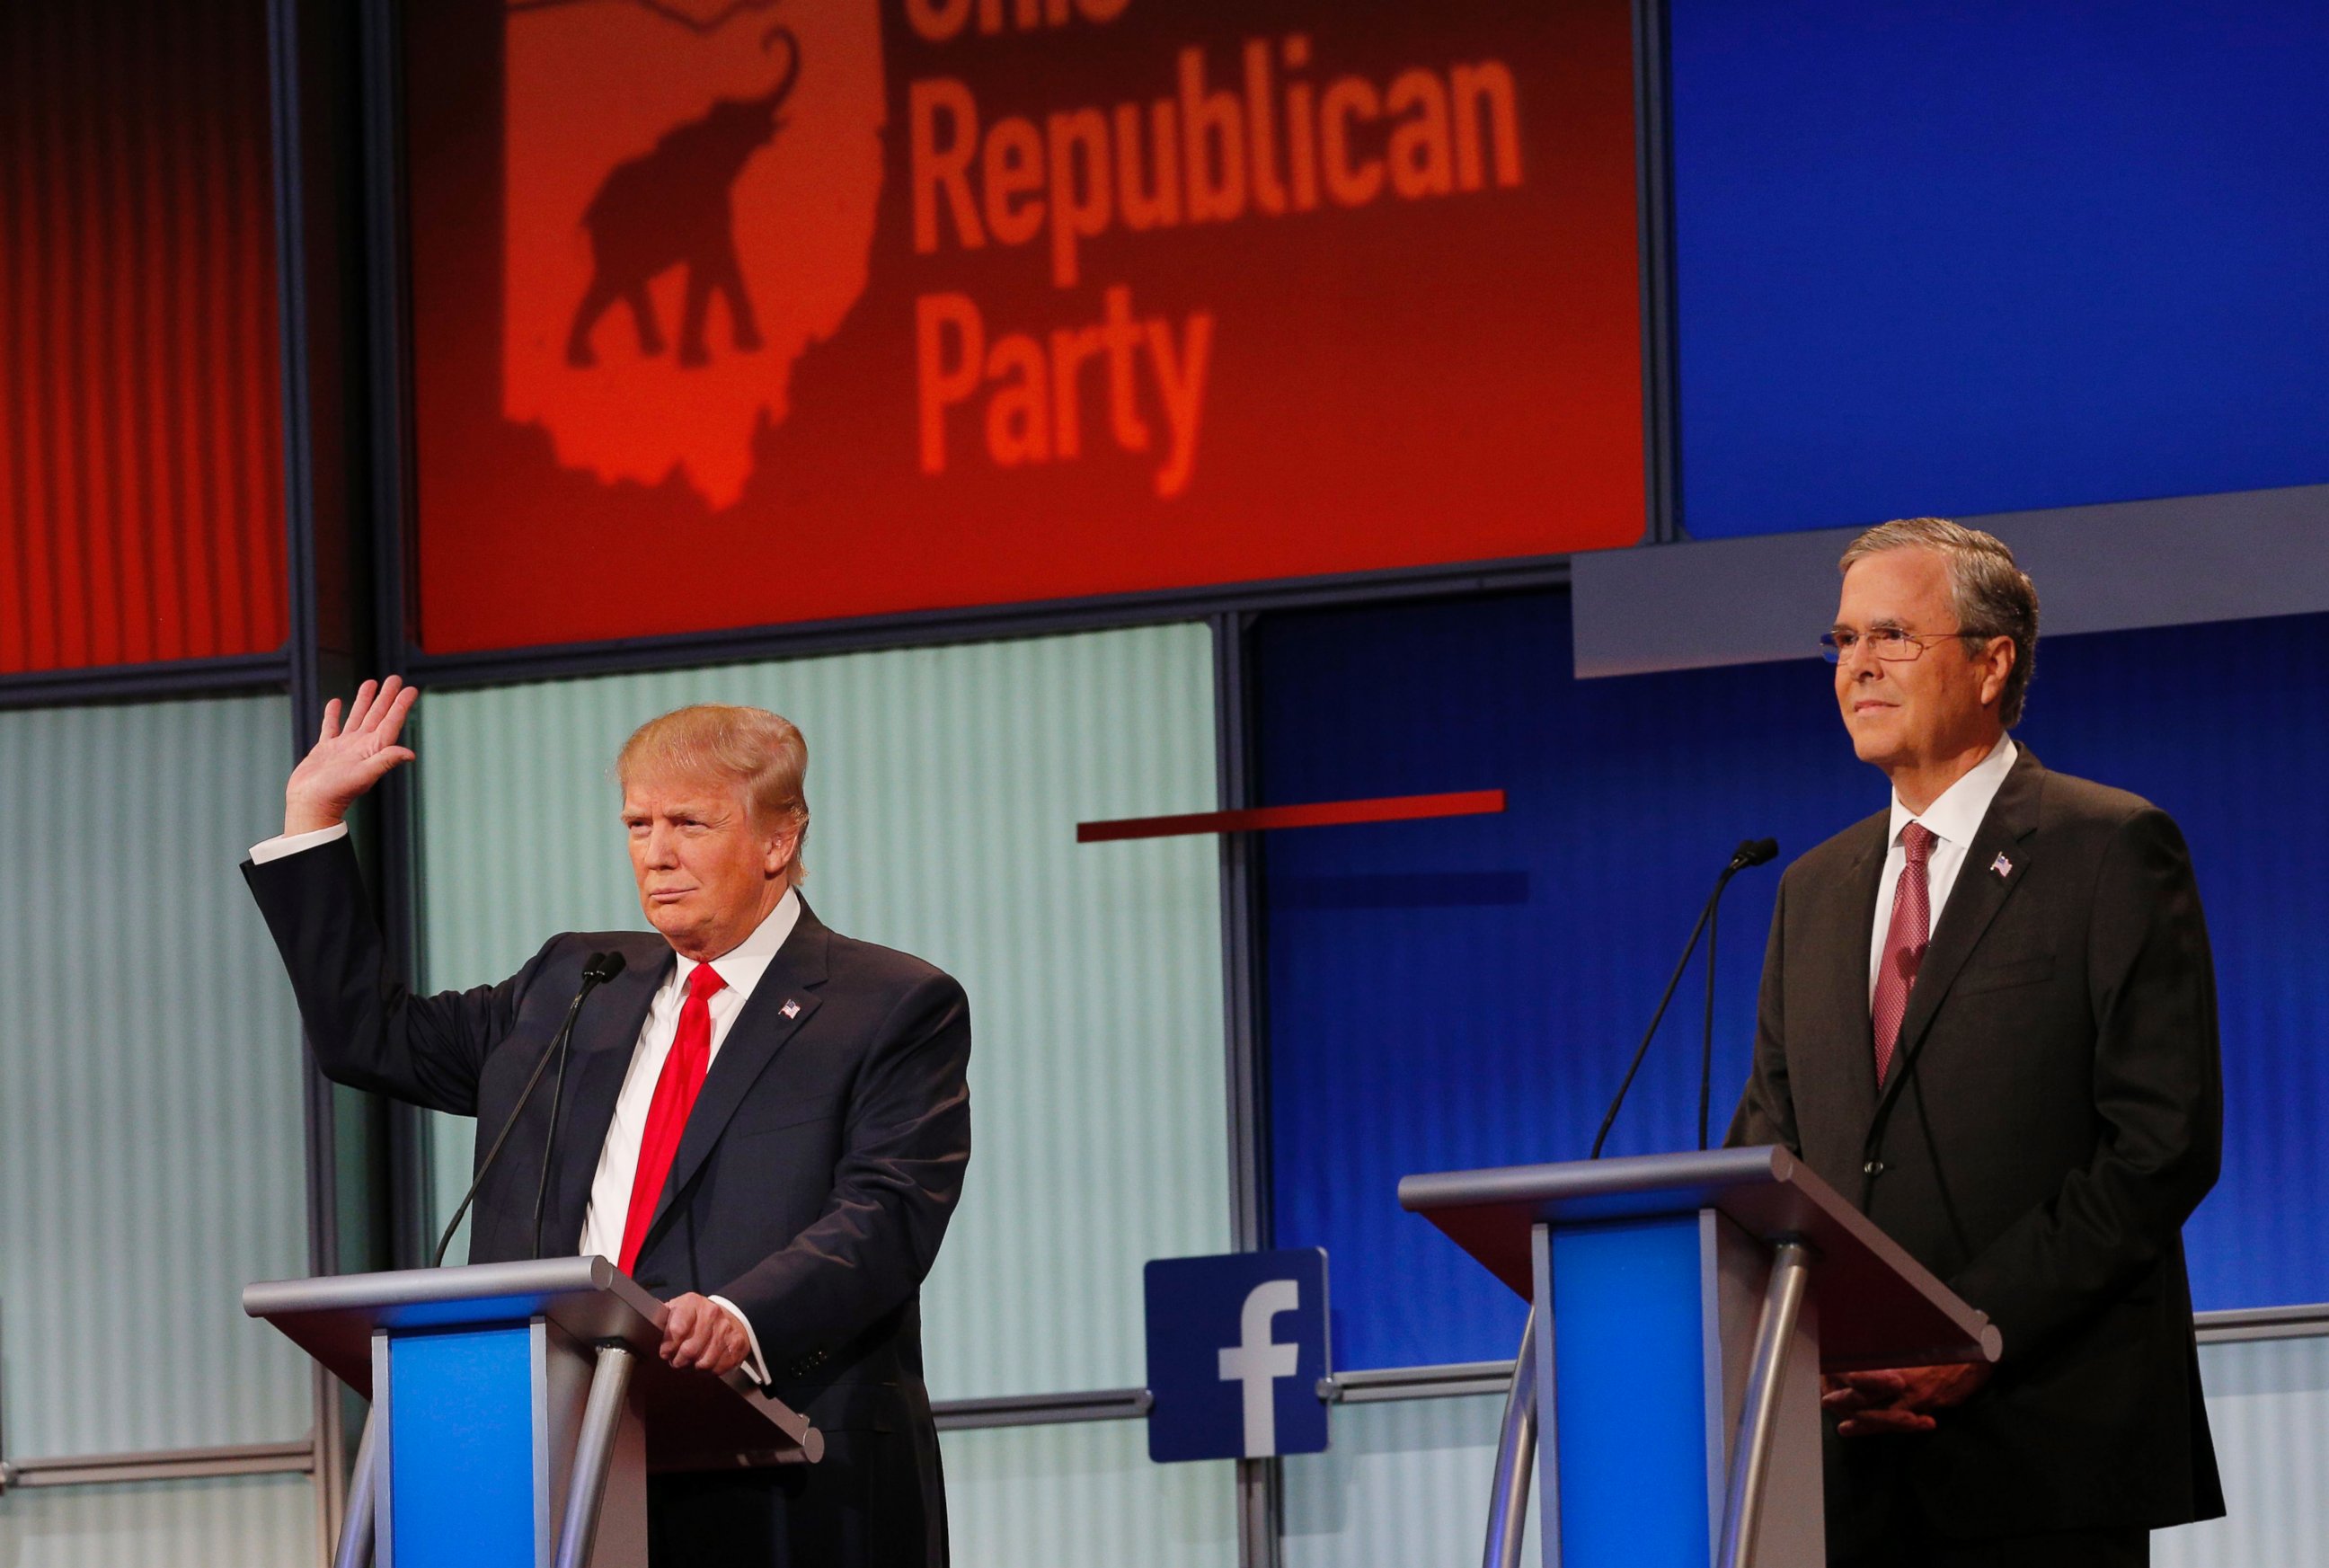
[1890, 643]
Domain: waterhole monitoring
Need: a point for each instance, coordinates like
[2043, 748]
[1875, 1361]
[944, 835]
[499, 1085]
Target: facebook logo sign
[1236, 1346]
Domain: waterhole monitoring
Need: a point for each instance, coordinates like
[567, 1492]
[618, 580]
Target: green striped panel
[1406, 1482]
[2269, 1406]
[150, 1120]
[235, 1522]
[1084, 1496]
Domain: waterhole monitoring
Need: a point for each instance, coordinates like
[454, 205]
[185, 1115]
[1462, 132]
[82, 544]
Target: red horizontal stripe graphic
[1324, 814]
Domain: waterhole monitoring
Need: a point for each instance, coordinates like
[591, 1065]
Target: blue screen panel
[1973, 256]
[1451, 994]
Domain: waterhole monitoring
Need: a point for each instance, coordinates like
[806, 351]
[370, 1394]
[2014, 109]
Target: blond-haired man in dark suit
[764, 1121]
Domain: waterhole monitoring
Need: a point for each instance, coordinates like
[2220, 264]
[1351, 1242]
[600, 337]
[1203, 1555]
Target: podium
[1682, 1309]
[516, 1411]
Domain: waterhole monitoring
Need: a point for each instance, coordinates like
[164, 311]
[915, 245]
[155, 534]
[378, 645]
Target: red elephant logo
[693, 165]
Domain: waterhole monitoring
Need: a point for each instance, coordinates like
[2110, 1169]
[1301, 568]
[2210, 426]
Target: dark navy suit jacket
[812, 1186]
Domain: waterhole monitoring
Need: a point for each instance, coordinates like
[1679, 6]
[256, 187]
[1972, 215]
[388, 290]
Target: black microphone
[598, 969]
[1750, 852]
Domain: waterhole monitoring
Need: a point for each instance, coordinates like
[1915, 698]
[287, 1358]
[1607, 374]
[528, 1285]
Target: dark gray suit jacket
[2054, 1114]
[820, 1165]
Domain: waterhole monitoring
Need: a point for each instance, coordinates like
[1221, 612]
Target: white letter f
[1257, 1364]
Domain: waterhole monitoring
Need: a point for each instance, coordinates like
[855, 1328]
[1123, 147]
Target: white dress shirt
[1952, 819]
[275, 848]
[740, 966]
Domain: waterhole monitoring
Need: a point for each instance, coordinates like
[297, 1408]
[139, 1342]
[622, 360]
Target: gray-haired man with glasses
[1989, 1013]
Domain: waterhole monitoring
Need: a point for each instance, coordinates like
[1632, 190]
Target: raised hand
[350, 758]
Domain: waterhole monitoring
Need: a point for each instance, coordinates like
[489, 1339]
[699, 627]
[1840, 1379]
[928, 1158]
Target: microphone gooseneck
[1750, 853]
[598, 969]
[1706, 1038]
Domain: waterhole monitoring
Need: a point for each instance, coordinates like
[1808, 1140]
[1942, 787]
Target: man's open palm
[349, 758]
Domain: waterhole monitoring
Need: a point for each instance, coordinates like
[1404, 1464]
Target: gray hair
[1992, 596]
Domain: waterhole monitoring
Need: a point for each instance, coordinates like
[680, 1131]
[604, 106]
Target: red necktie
[1904, 943]
[674, 1097]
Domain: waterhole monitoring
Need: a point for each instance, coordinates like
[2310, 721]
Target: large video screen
[733, 314]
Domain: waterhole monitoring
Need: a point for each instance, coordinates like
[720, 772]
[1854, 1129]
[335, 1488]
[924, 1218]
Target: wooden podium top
[1878, 1306]
[695, 1421]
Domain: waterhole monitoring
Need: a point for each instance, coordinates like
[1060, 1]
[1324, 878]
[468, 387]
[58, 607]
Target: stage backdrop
[940, 303]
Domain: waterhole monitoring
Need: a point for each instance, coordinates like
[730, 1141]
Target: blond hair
[1992, 595]
[760, 750]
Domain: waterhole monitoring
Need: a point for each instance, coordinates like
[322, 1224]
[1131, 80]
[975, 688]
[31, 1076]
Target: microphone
[598, 969]
[1750, 852]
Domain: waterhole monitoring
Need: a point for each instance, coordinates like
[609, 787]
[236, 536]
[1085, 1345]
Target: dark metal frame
[924, 628]
[388, 299]
[287, 67]
[1654, 202]
[240, 675]
[1042, 1409]
[1260, 1483]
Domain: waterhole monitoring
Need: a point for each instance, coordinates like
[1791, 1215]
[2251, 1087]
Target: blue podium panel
[1631, 1390]
[461, 1442]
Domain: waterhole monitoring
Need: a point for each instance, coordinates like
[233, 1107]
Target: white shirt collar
[1956, 816]
[743, 964]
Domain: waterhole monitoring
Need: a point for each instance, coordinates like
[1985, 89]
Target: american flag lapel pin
[791, 1009]
[2001, 864]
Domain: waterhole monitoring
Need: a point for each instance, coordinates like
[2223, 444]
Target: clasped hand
[697, 1331]
[1899, 1399]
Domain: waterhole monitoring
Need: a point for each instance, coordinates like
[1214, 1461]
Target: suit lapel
[759, 1032]
[605, 1040]
[1847, 979]
[1979, 892]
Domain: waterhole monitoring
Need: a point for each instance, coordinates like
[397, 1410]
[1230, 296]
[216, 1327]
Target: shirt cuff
[288, 843]
[754, 1367]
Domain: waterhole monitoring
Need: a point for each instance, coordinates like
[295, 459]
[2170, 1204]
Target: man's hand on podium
[1899, 1399]
[348, 759]
[699, 1332]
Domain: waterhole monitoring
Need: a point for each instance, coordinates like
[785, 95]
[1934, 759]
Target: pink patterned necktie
[1904, 944]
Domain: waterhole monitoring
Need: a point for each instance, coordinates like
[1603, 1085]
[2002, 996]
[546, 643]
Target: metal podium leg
[1515, 1461]
[1783, 1302]
[594, 1453]
[356, 1528]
